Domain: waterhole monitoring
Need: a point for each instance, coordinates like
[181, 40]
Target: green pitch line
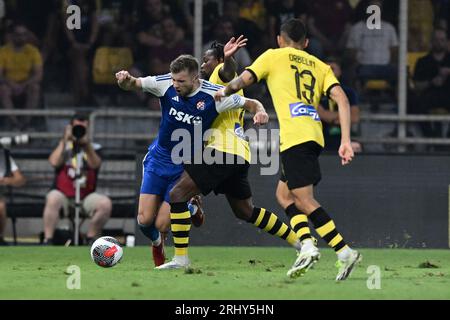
[222, 273]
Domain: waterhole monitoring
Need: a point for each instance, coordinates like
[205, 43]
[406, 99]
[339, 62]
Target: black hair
[295, 29]
[17, 23]
[217, 50]
[80, 116]
[184, 62]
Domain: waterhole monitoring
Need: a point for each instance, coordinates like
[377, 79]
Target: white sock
[345, 253]
[181, 259]
[307, 244]
[157, 242]
[298, 245]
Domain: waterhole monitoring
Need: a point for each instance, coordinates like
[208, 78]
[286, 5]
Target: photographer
[62, 195]
[10, 176]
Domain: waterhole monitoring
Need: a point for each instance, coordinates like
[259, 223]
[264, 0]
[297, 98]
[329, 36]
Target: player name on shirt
[302, 60]
[296, 81]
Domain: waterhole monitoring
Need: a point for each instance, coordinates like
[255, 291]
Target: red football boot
[159, 256]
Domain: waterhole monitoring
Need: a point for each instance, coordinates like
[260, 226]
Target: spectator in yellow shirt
[20, 74]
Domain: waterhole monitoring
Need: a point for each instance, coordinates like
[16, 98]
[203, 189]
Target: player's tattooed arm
[234, 86]
[228, 70]
[244, 80]
[127, 81]
[256, 107]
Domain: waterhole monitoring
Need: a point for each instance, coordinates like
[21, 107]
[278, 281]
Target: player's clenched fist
[261, 117]
[124, 79]
[122, 75]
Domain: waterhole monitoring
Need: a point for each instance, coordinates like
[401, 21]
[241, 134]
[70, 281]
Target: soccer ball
[106, 252]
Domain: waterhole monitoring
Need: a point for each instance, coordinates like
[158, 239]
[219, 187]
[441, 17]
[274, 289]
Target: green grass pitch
[221, 273]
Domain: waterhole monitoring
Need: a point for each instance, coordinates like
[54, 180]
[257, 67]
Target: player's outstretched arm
[256, 107]
[127, 81]
[345, 150]
[228, 70]
[244, 80]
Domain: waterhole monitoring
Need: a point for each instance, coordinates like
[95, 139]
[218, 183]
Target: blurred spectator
[389, 10]
[212, 10]
[10, 176]
[330, 29]
[442, 15]
[158, 59]
[81, 42]
[254, 10]
[257, 38]
[158, 36]
[160, 56]
[64, 159]
[420, 25]
[329, 114]
[373, 52]
[41, 19]
[288, 9]
[20, 75]
[110, 57]
[432, 82]
[223, 32]
[280, 12]
[149, 28]
[116, 12]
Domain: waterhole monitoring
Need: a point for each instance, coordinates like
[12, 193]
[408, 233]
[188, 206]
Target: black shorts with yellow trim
[300, 165]
[229, 176]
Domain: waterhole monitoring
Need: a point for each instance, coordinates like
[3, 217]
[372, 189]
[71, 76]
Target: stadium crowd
[40, 54]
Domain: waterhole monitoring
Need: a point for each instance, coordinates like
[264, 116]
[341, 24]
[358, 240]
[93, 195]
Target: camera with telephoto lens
[78, 132]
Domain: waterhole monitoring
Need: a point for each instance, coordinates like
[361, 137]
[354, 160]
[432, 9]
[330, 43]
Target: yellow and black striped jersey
[228, 127]
[296, 81]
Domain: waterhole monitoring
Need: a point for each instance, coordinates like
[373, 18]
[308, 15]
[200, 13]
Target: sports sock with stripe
[180, 225]
[326, 229]
[269, 222]
[299, 222]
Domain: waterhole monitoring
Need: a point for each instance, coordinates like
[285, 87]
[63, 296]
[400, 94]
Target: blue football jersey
[194, 113]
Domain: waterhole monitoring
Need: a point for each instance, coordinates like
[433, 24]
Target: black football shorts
[228, 177]
[300, 165]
